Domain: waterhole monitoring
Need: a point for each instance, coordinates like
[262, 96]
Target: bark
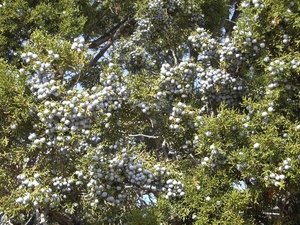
[110, 37]
[231, 23]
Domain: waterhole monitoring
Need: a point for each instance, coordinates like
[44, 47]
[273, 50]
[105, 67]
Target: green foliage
[14, 117]
[20, 18]
[146, 217]
[149, 112]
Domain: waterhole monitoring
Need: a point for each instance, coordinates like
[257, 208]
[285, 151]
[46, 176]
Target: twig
[30, 221]
[142, 135]
[174, 56]
[194, 160]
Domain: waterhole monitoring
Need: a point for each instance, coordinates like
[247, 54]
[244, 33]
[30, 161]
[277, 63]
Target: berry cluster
[78, 44]
[205, 45]
[107, 181]
[276, 178]
[42, 90]
[66, 126]
[229, 52]
[177, 81]
[295, 64]
[113, 180]
[179, 117]
[285, 39]
[276, 67]
[174, 188]
[218, 86]
[43, 196]
[215, 158]
[27, 57]
[256, 3]
[145, 108]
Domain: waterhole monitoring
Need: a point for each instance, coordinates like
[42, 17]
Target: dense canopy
[149, 112]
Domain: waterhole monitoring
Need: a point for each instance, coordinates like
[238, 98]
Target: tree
[149, 112]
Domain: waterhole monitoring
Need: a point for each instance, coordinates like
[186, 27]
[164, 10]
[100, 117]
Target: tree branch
[114, 34]
[60, 218]
[96, 43]
[101, 53]
[234, 18]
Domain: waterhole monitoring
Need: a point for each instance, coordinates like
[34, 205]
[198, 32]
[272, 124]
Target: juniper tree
[149, 112]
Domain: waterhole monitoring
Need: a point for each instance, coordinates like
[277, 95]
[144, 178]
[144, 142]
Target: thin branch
[7, 190]
[230, 21]
[152, 123]
[31, 220]
[143, 135]
[174, 56]
[194, 160]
